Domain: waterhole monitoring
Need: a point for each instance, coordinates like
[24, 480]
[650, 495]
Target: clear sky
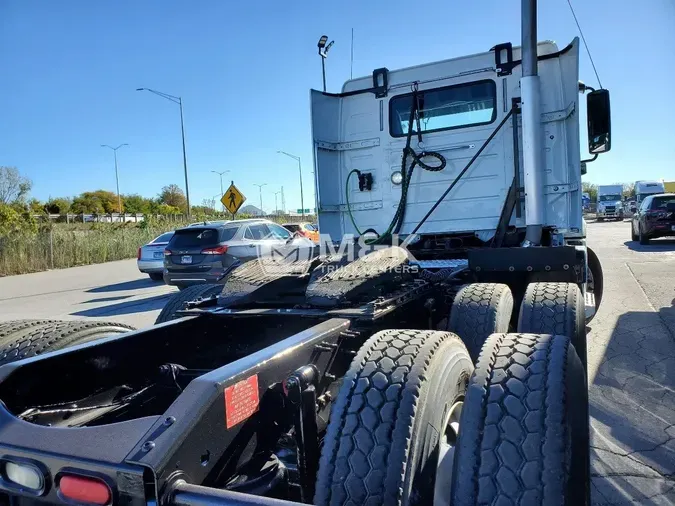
[70, 69]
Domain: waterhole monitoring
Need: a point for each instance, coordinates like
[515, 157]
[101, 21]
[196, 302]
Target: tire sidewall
[448, 376]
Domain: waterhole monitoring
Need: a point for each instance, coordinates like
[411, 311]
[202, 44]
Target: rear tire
[555, 308]
[597, 282]
[644, 238]
[34, 337]
[156, 276]
[190, 293]
[382, 443]
[522, 438]
[479, 310]
[633, 235]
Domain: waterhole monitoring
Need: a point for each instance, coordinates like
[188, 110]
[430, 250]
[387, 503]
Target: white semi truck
[646, 188]
[610, 202]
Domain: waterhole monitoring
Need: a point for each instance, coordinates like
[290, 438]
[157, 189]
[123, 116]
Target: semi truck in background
[610, 202]
[646, 188]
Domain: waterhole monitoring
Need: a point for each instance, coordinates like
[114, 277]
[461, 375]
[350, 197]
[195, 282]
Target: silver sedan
[150, 258]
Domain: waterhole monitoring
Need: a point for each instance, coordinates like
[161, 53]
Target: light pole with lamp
[302, 197]
[276, 205]
[179, 101]
[260, 187]
[117, 179]
[221, 183]
[323, 53]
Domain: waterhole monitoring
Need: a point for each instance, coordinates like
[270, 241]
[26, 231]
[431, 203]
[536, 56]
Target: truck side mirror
[599, 122]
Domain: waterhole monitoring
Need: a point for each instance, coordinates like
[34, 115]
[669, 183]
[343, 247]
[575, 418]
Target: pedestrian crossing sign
[233, 199]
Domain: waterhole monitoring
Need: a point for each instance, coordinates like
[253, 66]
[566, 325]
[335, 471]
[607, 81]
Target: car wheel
[644, 238]
[633, 235]
[156, 276]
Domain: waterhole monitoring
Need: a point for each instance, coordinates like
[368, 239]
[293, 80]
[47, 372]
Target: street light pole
[117, 178]
[222, 192]
[323, 52]
[276, 205]
[302, 197]
[179, 101]
[260, 187]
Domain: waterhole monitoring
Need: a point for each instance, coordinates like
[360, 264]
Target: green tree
[173, 196]
[59, 205]
[13, 186]
[166, 209]
[35, 206]
[99, 202]
[134, 203]
[591, 189]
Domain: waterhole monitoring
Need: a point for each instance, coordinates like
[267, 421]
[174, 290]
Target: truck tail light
[167, 252]
[138, 257]
[219, 250]
[24, 475]
[84, 489]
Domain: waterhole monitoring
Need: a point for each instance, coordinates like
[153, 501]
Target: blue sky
[71, 67]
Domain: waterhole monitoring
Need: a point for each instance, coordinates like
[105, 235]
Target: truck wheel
[37, 337]
[555, 308]
[600, 219]
[479, 310]
[188, 294]
[9, 327]
[596, 280]
[523, 437]
[395, 420]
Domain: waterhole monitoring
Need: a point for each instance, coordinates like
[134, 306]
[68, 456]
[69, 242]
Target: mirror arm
[589, 160]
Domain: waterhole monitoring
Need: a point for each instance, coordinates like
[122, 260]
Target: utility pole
[276, 205]
[260, 187]
[179, 101]
[283, 201]
[302, 197]
[222, 192]
[117, 179]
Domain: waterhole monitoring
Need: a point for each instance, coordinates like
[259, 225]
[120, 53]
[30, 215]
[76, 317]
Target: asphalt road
[114, 291]
[631, 350]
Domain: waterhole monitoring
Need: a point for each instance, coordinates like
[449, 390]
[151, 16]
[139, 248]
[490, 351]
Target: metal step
[590, 304]
[441, 264]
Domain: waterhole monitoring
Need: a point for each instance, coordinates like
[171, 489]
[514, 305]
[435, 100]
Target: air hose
[397, 221]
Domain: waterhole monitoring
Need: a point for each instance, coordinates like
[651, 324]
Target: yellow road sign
[233, 199]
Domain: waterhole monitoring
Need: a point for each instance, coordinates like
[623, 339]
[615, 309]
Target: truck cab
[610, 202]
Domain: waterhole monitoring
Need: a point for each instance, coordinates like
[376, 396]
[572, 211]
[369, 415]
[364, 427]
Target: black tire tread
[36, 339]
[178, 300]
[479, 310]
[555, 308]
[512, 447]
[361, 441]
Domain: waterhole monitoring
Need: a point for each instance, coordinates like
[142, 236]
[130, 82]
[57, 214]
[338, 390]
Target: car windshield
[610, 198]
[662, 202]
[163, 238]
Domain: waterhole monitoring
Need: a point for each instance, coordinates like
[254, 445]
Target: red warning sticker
[241, 401]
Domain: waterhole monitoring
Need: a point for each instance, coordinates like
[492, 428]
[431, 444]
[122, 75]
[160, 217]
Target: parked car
[307, 230]
[205, 253]
[654, 218]
[150, 259]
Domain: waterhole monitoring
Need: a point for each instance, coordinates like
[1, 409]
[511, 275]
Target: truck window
[446, 108]
[610, 198]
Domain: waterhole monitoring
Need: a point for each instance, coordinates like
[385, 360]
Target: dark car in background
[205, 253]
[654, 218]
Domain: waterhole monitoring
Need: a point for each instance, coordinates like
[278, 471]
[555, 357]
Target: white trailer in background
[646, 188]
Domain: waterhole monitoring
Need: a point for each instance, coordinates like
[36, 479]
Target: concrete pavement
[114, 291]
[632, 370]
